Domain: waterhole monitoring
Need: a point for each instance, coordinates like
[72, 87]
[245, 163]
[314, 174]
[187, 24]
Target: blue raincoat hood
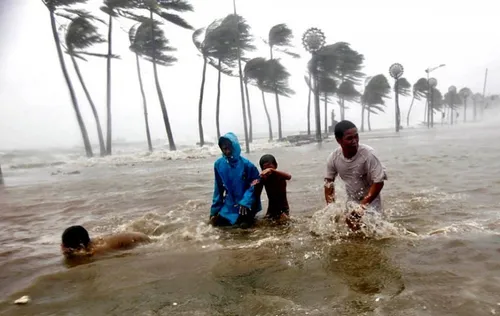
[235, 144]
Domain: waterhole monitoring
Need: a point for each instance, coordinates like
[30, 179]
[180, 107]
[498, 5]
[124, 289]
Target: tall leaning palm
[153, 46]
[112, 8]
[53, 6]
[280, 36]
[80, 35]
[419, 91]
[136, 49]
[201, 40]
[376, 91]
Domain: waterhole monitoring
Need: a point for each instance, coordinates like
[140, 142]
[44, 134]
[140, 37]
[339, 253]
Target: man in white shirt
[360, 169]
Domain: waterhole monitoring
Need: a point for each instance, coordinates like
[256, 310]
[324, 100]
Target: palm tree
[53, 6]
[112, 8]
[327, 88]
[256, 73]
[347, 92]
[452, 100]
[401, 87]
[308, 80]
[476, 98]
[419, 91]
[135, 47]
[280, 36]
[82, 34]
[1, 176]
[349, 65]
[227, 43]
[376, 90]
[201, 39]
[465, 93]
[150, 41]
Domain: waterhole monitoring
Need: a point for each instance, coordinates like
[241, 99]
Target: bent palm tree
[81, 34]
[112, 8]
[153, 46]
[134, 47]
[201, 39]
[53, 6]
[280, 36]
[419, 91]
[376, 90]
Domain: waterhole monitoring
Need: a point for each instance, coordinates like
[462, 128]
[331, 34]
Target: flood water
[436, 250]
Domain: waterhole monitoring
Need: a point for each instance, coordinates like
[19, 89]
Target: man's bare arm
[329, 191]
[372, 193]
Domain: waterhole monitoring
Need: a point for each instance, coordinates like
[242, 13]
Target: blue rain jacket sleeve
[218, 196]
[249, 196]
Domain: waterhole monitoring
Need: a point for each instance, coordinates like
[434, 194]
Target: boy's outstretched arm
[218, 196]
[284, 175]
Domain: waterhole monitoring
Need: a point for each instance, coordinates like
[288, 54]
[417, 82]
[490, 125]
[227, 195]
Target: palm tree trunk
[280, 132]
[317, 111]
[217, 106]
[200, 103]
[144, 104]
[368, 120]
[309, 108]
[1, 176]
[396, 104]
[240, 73]
[250, 124]
[81, 124]
[409, 111]
[268, 117]
[465, 110]
[326, 113]
[171, 143]
[362, 117]
[108, 87]
[102, 147]
[474, 109]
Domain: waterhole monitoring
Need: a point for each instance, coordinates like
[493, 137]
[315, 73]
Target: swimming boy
[274, 181]
[234, 202]
[76, 242]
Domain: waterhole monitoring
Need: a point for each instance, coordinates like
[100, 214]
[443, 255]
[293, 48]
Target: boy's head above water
[268, 161]
[75, 238]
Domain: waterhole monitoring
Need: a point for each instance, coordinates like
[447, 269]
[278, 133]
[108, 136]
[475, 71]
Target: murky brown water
[445, 181]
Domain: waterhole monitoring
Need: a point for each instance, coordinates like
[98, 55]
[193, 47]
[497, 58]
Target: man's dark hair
[267, 159]
[225, 141]
[75, 237]
[341, 127]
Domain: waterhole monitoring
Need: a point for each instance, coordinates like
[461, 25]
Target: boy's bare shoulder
[124, 239]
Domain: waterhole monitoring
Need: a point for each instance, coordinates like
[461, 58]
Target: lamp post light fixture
[314, 40]
[396, 71]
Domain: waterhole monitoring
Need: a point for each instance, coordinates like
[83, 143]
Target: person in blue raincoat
[234, 202]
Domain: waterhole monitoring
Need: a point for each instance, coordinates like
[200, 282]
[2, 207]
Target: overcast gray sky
[35, 109]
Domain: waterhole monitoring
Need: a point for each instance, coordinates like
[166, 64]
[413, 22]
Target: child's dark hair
[267, 159]
[75, 237]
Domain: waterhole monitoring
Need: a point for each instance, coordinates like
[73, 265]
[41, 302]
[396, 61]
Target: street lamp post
[432, 85]
[430, 115]
[313, 40]
[452, 91]
[396, 71]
